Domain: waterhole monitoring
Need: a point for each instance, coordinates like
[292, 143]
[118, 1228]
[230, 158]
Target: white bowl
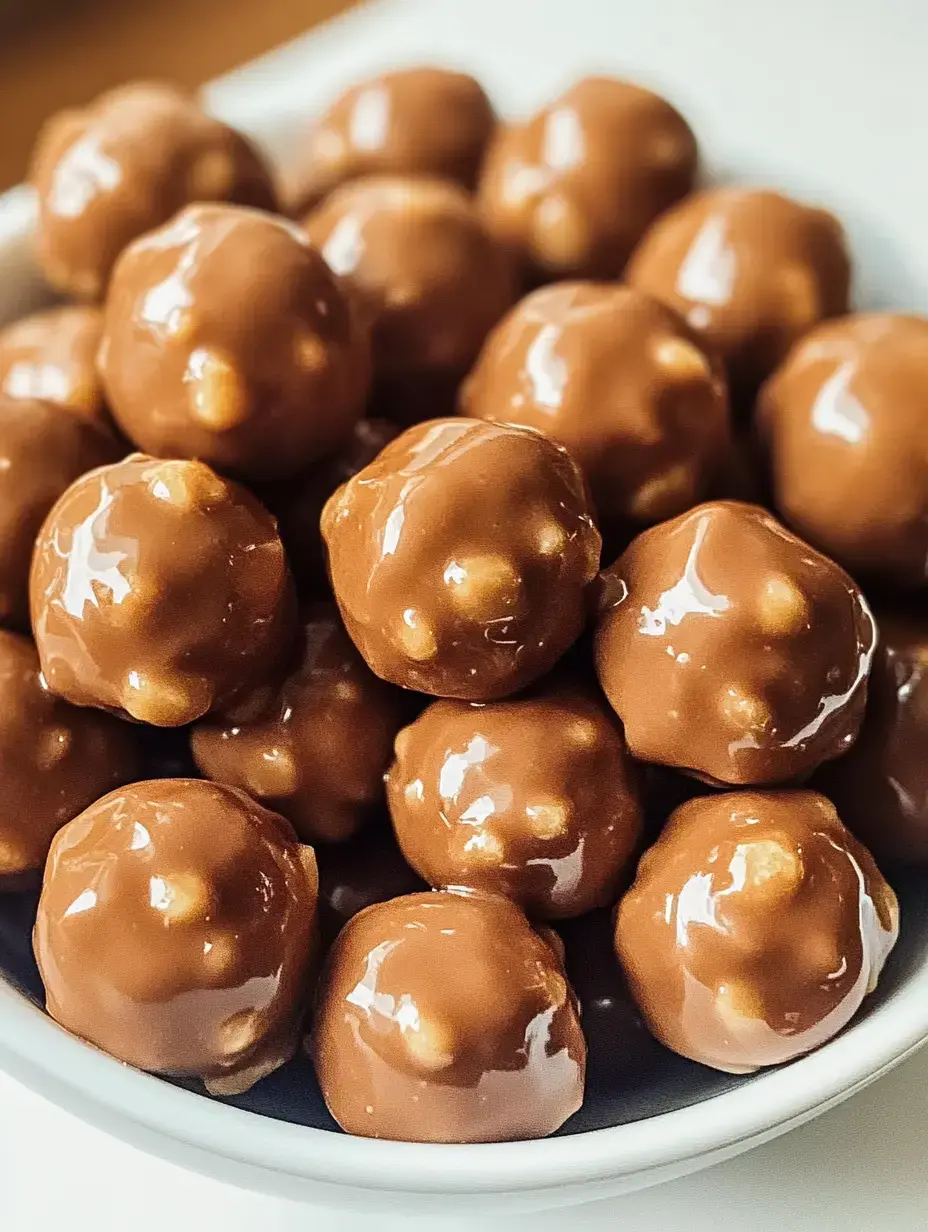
[825, 98]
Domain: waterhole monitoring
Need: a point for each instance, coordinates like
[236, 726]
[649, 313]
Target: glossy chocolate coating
[43, 449]
[534, 798]
[160, 590]
[731, 649]
[756, 926]
[431, 281]
[844, 424]
[621, 381]
[106, 173]
[751, 271]
[318, 753]
[881, 785]
[574, 188]
[366, 869]
[413, 121]
[227, 338]
[446, 1018]
[176, 930]
[461, 557]
[52, 356]
[54, 759]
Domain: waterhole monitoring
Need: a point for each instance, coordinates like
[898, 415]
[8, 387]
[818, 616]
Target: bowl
[829, 128]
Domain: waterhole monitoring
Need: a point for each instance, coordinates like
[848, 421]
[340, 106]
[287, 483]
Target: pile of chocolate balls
[321, 472]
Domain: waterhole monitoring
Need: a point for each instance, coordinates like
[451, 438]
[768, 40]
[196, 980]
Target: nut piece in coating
[106, 173]
[534, 798]
[731, 649]
[756, 926]
[444, 1017]
[176, 930]
[429, 277]
[621, 381]
[160, 590]
[573, 189]
[227, 338]
[844, 425]
[461, 557]
[52, 356]
[319, 751]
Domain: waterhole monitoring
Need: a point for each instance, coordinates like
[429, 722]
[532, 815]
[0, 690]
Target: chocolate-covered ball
[461, 557]
[751, 271]
[176, 930]
[412, 121]
[106, 173]
[319, 751]
[534, 798]
[881, 785]
[52, 356]
[756, 926]
[621, 381]
[161, 591]
[731, 649]
[43, 449]
[54, 759]
[574, 188]
[844, 425]
[431, 280]
[366, 869]
[444, 1017]
[227, 338]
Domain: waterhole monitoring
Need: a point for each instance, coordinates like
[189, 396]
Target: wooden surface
[69, 58]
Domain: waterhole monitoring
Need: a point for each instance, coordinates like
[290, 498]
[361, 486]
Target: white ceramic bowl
[825, 98]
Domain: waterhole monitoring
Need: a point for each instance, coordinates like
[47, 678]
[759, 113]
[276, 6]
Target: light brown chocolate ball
[52, 356]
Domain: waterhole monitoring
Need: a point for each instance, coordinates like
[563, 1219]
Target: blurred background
[54, 53]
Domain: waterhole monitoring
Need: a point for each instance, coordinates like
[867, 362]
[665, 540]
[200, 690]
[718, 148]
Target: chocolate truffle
[413, 121]
[430, 278]
[159, 590]
[574, 189]
[54, 759]
[176, 930]
[621, 381]
[447, 1018]
[755, 928]
[227, 338]
[52, 356]
[750, 271]
[318, 753]
[106, 173]
[534, 798]
[43, 449]
[881, 785]
[462, 556]
[731, 649]
[366, 869]
[844, 423]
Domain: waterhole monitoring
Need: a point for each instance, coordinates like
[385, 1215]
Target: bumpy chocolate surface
[731, 649]
[751, 271]
[574, 189]
[227, 338]
[430, 278]
[106, 173]
[319, 751]
[43, 448]
[845, 426]
[176, 930]
[534, 798]
[160, 590]
[461, 557]
[881, 786]
[414, 121]
[755, 928]
[621, 381]
[447, 1018]
[366, 869]
[54, 759]
[52, 356]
